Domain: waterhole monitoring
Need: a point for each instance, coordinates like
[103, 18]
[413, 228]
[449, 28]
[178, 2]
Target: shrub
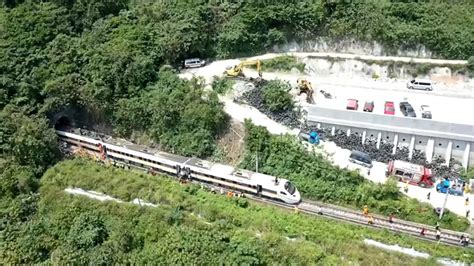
[276, 97]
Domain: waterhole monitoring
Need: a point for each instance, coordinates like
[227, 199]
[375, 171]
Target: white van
[420, 84]
[194, 62]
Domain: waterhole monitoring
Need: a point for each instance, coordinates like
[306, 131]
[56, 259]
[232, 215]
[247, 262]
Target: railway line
[96, 144]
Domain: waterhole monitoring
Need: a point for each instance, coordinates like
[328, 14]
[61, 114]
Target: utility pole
[444, 204]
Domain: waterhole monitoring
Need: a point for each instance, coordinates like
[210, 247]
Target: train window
[290, 188]
[283, 193]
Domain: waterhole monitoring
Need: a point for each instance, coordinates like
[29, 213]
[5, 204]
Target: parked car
[420, 84]
[360, 158]
[194, 62]
[389, 108]
[352, 104]
[407, 109]
[369, 106]
[425, 111]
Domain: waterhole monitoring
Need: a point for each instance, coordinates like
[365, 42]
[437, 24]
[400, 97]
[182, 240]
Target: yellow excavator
[236, 71]
[304, 86]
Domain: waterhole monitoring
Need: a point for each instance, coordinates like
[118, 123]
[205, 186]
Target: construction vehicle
[237, 70]
[305, 87]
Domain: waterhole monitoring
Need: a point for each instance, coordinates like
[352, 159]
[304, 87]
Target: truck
[312, 137]
[413, 173]
[456, 189]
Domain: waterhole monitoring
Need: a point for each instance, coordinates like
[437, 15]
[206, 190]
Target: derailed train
[191, 168]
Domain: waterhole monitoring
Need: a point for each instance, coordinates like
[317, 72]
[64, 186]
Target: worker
[366, 210]
[423, 231]
[462, 240]
[213, 190]
[466, 202]
[229, 194]
[296, 209]
[467, 240]
[438, 234]
[428, 196]
[406, 187]
[390, 218]
[468, 211]
[371, 219]
[222, 191]
[437, 226]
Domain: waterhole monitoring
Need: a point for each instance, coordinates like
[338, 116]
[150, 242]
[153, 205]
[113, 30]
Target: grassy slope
[317, 239]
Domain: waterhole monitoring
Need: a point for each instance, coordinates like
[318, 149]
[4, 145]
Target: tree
[87, 231]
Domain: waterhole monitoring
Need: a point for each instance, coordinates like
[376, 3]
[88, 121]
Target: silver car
[194, 62]
[420, 84]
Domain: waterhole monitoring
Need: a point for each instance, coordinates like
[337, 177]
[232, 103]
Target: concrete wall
[432, 137]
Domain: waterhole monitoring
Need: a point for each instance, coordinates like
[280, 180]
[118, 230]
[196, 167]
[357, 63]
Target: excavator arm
[236, 70]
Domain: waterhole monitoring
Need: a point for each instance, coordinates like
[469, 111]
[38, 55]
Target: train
[191, 168]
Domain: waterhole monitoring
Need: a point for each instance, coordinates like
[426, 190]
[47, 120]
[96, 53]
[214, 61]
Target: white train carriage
[222, 175]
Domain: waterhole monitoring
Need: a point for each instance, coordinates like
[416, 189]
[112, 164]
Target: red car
[352, 104]
[389, 108]
[369, 106]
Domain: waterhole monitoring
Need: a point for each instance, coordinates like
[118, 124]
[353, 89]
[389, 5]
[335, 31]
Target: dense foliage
[189, 226]
[283, 63]
[317, 179]
[179, 114]
[276, 97]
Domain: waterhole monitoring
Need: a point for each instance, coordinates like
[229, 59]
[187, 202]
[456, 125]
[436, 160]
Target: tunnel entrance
[63, 123]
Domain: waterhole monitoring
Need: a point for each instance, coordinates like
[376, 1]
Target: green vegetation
[222, 85]
[283, 63]
[180, 114]
[276, 97]
[318, 179]
[189, 226]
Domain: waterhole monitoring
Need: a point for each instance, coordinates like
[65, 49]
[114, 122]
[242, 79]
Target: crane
[236, 70]
[305, 87]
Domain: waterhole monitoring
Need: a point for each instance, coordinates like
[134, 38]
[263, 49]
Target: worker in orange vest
[366, 210]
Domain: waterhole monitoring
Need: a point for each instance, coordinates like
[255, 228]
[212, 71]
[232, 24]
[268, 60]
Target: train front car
[288, 192]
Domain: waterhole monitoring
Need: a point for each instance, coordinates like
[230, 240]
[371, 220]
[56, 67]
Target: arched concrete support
[395, 144]
[348, 132]
[379, 138]
[465, 159]
[364, 133]
[429, 150]
[412, 146]
[449, 149]
[333, 131]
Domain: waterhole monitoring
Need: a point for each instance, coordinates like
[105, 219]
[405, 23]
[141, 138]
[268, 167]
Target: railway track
[344, 214]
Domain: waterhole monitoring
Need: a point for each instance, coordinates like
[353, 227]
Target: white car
[420, 84]
[425, 111]
[194, 62]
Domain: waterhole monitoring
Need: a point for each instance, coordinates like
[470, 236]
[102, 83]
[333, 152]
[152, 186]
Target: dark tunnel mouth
[63, 123]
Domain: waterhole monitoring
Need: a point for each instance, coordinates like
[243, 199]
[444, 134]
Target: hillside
[188, 226]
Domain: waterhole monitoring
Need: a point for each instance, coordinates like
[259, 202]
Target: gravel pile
[253, 97]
